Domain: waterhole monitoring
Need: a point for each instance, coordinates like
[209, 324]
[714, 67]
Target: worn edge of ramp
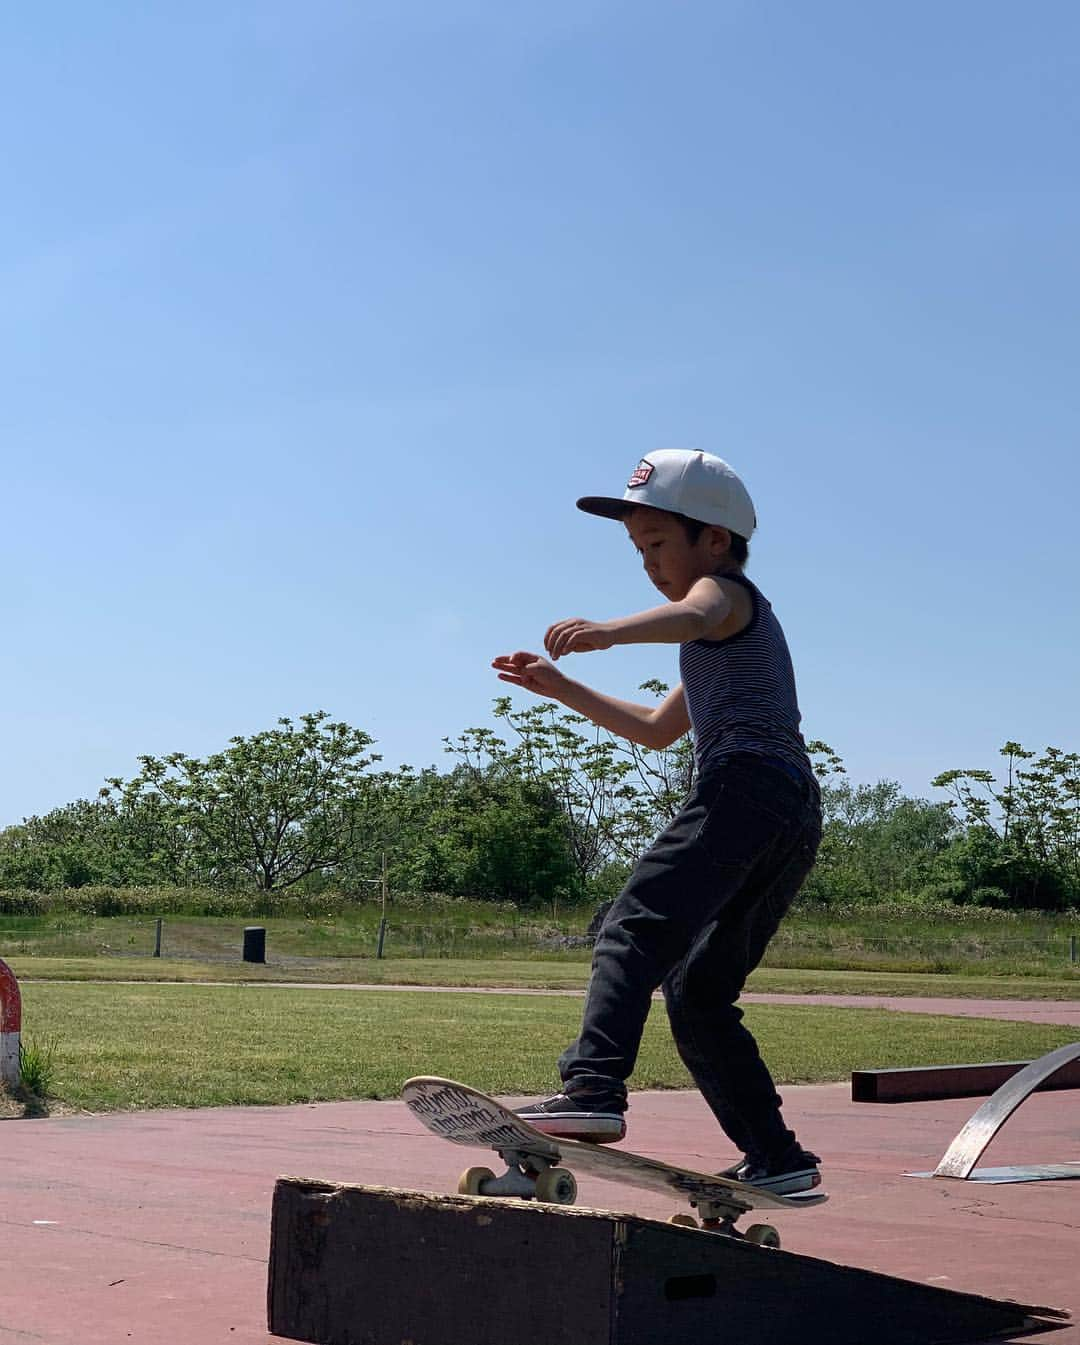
[379, 1265]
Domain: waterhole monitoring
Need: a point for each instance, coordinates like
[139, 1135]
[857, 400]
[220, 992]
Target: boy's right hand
[529, 671]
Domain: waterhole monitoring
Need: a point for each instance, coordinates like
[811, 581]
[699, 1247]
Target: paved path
[152, 1227]
[1065, 1012]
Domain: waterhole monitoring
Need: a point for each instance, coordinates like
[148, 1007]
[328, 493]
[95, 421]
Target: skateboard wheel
[557, 1186]
[762, 1235]
[683, 1220]
[470, 1181]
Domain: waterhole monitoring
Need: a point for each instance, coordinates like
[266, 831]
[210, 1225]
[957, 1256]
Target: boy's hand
[529, 671]
[578, 636]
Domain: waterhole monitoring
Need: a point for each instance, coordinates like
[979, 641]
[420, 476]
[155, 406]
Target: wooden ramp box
[356, 1265]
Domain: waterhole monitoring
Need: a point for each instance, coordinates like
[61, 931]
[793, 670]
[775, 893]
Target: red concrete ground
[1066, 1012]
[153, 1227]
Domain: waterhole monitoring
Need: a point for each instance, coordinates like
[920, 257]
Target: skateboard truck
[529, 1176]
[719, 1217]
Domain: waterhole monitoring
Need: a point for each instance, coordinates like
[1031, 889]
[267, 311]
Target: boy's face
[671, 560]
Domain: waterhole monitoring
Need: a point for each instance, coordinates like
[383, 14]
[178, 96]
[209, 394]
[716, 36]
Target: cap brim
[606, 506]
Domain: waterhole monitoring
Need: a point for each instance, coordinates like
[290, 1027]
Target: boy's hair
[739, 549]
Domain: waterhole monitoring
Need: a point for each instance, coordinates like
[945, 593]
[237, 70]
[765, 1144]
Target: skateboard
[538, 1166]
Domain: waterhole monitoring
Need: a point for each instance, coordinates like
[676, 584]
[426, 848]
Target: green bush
[953, 890]
[990, 896]
[106, 900]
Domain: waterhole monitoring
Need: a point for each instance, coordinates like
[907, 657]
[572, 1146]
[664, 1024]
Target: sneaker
[796, 1171]
[579, 1119]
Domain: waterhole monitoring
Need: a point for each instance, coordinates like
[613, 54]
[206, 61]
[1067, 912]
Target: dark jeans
[695, 917]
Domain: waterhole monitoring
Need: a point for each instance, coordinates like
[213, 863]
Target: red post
[10, 1026]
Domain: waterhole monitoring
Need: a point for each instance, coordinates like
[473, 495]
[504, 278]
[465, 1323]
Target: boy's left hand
[578, 636]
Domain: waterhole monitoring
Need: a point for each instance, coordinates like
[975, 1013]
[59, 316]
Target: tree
[824, 760]
[481, 830]
[88, 841]
[581, 774]
[68, 847]
[613, 796]
[273, 807]
[661, 779]
[1023, 836]
[876, 842]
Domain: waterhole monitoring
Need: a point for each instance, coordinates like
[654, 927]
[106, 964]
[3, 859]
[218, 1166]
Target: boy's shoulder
[741, 597]
[742, 590]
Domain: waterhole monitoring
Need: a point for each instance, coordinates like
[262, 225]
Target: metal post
[157, 939]
[382, 920]
[1072, 948]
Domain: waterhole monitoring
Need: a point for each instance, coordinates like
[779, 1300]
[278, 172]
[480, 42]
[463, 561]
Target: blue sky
[316, 320]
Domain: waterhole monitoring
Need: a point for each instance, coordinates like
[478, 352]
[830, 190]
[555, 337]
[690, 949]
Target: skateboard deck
[465, 1116]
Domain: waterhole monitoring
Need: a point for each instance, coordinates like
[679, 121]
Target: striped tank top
[740, 692]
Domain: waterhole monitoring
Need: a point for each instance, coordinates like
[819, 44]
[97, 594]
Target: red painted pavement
[153, 1227]
[1063, 1011]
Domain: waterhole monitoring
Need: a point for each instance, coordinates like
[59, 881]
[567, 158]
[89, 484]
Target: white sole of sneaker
[791, 1186]
[594, 1130]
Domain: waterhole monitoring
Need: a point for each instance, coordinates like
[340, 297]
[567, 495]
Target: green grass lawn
[505, 973]
[129, 1046]
[879, 939]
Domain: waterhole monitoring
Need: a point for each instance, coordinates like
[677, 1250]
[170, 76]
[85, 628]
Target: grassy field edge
[507, 974]
[120, 1047]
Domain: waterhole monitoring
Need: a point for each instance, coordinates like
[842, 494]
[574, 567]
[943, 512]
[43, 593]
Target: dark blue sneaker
[796, 1171]
[579, 1119]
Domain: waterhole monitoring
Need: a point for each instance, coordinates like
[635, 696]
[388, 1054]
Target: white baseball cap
[683, 481]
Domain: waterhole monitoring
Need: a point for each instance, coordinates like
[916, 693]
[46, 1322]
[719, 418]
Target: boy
[704, 900]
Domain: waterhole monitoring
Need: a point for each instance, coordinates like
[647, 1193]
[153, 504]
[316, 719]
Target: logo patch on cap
[642, 472]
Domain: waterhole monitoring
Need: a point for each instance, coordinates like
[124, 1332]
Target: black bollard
[254, 943]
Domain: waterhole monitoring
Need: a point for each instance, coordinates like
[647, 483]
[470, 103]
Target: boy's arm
[655, 726]
[706, 613]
